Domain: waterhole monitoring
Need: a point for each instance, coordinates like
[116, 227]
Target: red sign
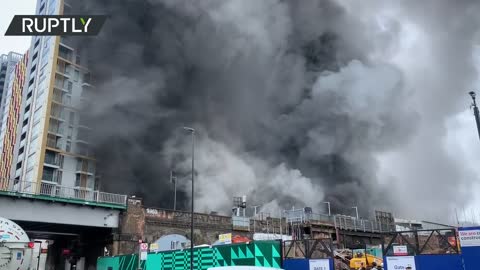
[452, 241]
[144, 247]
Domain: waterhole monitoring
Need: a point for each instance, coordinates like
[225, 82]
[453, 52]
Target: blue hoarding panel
[296, 264]
[471, 257]
[439, 262]
[470, 242]
[305, 264]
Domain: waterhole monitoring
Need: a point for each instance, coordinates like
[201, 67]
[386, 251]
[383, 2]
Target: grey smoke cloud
[296, 102]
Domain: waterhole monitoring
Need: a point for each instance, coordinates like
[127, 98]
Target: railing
[70, 193]
[319, 218]
[302, 216]
[353, 224]
[241, 223]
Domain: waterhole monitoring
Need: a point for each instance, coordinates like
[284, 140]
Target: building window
[49, 174]
[77, 180]
[68, 146]
[42, 8]
[76, 76]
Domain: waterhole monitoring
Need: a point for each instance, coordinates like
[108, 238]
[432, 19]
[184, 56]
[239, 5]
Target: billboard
[469, 237]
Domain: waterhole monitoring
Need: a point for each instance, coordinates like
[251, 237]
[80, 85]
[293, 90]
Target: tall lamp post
[475, 111]
[192, 131]
[328, 205]
[356, 210]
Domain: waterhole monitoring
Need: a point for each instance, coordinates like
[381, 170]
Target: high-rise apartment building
[11, 110]
[53, 147]
[7, 63]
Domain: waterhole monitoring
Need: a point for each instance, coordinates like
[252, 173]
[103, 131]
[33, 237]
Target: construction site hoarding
[259, 253]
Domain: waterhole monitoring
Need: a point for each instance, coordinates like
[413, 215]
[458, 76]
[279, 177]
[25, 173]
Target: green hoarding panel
[261, 253]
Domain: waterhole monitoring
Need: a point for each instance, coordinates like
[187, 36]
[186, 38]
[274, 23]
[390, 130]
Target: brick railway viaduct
[149, 224]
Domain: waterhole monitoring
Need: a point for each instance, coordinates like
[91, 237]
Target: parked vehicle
[15, 246]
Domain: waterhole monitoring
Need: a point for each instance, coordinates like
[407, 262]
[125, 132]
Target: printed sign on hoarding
[469, 237]
[400, 250]
[225, 238]
[323, 264]
[154, 247]
[143, 256]
[401, 263]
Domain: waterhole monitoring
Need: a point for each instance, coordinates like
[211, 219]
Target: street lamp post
[192, 131]
[356, 210]
[475, 111]
[328, 205]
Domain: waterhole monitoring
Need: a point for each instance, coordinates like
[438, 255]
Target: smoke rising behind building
[294, 102]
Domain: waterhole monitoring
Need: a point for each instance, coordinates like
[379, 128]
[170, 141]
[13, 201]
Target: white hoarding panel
[321, 264]
[469, 237]
[401, 263]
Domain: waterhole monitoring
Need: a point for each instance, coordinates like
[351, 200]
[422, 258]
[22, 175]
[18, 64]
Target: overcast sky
[462, 137]
[7, 10]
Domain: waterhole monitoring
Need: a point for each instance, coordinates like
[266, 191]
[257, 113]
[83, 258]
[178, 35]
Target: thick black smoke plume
[294, 102]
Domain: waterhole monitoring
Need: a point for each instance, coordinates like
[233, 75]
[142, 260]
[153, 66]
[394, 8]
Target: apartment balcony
[84, 168]
[55, 142]
[58, 115]
[66, 194]
[66, 42]
[82, 140]
[64, 71]
[83, 151]
[56, 130]
[63, 85]
[65, 53]
[60, 97]
[83, 124]
[54, 177]
[53, 162]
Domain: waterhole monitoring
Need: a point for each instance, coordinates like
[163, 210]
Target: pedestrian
[362, 267]
[380, 266]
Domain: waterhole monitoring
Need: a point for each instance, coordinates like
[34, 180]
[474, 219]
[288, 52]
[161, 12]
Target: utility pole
[456, 215]
[356, 210]
[328, 205]
[173, 179]
[254, 217]
[192, 131]
[475, 112]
